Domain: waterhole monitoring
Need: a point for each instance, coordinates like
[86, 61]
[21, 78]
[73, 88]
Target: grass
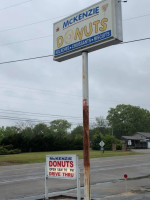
[39, 157]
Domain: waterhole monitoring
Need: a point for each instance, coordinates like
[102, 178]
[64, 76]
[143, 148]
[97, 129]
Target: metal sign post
[101, 144]
[46, 184]
[86, 143]
[78, 185]
[125, 177]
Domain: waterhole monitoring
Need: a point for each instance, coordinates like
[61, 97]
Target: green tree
[40, 128]
[77, 131]
[107, 139]
[96, 140]
[101, 126]
[101, 122]
[78, 142]
[27, 134]
[2, 133]
[128, 119]
[60, 127]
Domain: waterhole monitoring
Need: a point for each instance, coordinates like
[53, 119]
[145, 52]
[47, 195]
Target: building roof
[137, 136]
[146, 135]
[134, 137]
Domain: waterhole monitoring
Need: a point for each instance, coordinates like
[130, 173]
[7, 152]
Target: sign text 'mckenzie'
[81, 16]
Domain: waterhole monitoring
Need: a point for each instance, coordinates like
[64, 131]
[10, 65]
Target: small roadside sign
[125, 176]
[101, 144]
[62, 167]
[129, 142]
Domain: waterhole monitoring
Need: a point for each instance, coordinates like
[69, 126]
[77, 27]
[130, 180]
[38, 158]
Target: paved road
[18, 182]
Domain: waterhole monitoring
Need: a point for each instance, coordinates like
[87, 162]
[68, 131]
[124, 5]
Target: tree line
[58, 135]
[41, 137]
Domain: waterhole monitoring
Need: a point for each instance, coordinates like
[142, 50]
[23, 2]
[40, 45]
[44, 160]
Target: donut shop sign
[95, 27]
[62, 166]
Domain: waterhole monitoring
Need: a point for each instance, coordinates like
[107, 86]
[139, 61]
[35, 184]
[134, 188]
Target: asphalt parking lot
[107, 181]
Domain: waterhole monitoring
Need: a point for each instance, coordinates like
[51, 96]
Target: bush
[78, 142]
[107, 139]
[96, 140]
[3, 151]
[119, 145]
[8, 149]
[14, 151]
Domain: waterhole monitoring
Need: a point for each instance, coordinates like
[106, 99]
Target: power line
[22, 119]
[66, 94]
[39, 57]
[14, 5]
[37, 114]
[12, 114]
[138, 40]
[50, 19]
[136, 17]
[47, 36]
[30, 114]
[21, 41]
[30, 24]
[37, 120]
[26, 59]
[41, 90]
[31, 120]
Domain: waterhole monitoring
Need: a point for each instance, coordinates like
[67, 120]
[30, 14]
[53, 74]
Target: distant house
[139, 140]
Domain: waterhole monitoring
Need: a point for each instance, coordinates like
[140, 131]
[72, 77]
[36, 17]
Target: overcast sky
[118, 74]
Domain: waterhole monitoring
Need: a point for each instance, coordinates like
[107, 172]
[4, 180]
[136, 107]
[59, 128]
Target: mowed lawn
[38, 157]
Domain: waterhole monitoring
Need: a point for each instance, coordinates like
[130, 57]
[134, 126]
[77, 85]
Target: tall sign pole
[95, 27]
[86, 142]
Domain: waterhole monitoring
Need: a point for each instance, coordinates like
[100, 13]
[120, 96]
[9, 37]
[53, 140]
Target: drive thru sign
[62, 166]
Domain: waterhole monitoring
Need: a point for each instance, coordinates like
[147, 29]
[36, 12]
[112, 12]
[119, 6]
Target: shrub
[107, 139]
[14, 151]
[96, 140]
[8, 149]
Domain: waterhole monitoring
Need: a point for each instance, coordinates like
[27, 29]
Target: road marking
[98, 160]
[21, 169]
[120, 167]
[23, 179]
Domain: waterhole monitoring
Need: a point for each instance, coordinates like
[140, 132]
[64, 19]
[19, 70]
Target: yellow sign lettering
[60, 41]
[79, 34]
[104, 25]
[96, 25]
[90, 30]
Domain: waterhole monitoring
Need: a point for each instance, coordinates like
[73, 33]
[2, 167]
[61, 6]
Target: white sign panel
[62, 166]
[101, 144]
[129, 142]
[95, 27]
